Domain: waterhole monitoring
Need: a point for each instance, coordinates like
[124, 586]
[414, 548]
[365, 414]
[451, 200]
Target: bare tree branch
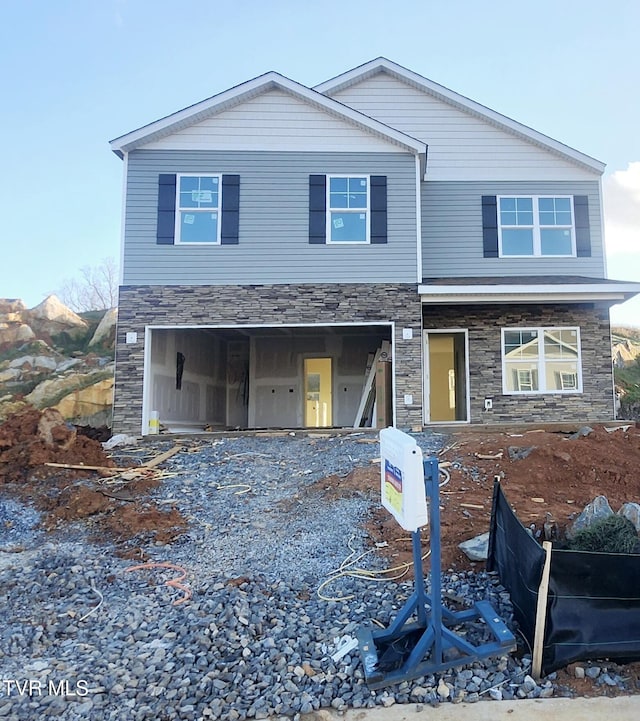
[96, 289]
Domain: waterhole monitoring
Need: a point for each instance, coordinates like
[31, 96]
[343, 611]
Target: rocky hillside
[626, 363]
[50, 357]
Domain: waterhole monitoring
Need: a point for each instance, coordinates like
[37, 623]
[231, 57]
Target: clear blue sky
[75, 74]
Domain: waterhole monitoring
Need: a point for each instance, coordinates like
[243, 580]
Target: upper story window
[541, 360]
[536, 226]
[348, 209]
[198, 208]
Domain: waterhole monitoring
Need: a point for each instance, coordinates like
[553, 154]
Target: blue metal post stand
[409, 649]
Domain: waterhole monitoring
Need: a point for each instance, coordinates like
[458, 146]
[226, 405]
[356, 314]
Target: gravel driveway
[244, 634]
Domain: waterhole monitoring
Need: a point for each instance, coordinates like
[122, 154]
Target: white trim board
[569, 293]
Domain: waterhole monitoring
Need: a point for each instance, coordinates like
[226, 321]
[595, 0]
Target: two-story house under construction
[285, 248]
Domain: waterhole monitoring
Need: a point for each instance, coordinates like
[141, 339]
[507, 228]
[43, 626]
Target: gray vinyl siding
[274, 221]
[452, 230]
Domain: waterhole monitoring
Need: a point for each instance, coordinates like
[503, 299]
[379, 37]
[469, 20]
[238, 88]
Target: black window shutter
[318, 209]
[583, 232]
[490, 226]
[166, 226]
[230, 209]
[378, 187]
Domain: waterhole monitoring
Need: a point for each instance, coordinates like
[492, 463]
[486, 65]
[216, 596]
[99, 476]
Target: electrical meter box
[402, 479]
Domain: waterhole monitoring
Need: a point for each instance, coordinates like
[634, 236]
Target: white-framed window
[536, 226]
[348, 209]
[198, 208]
[541, 360]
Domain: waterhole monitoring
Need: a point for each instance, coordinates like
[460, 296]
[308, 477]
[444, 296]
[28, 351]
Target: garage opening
[208, 379]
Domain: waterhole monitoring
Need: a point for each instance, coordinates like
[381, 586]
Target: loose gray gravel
[94, 640]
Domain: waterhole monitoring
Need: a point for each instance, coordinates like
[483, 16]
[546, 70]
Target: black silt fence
[518, 559]
[593, 603]
[593, 608]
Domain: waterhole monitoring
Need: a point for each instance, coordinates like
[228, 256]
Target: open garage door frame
[178, 379]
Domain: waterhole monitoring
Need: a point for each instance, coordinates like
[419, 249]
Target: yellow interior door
[317, 392]
[442, 378]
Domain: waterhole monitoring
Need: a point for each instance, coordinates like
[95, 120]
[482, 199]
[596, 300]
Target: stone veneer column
[141, 306]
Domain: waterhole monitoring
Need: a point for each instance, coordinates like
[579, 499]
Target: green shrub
[613, 534]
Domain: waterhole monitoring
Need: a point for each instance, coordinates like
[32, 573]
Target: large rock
[30, 362]
[51, 391]
[15, 332]
[52, 317]
[631, 511]
[106, 331]
[11, 305]
[85, 406]
[476, 549]
[598, 508]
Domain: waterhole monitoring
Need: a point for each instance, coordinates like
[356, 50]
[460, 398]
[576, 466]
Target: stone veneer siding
[141, 306]
[484, 323]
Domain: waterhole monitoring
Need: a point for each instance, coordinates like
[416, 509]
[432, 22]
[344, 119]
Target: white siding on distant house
[462, 146]
[274, 120]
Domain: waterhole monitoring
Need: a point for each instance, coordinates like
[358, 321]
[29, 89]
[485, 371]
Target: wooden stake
[162, 457]
[81, 467]
[541, 613]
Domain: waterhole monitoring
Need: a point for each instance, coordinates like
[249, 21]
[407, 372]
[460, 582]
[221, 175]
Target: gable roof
[250, 89]
[382, 65]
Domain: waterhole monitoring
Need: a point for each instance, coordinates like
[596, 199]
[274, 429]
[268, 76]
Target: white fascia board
[570, 293]
[234, 96]
[460, 101]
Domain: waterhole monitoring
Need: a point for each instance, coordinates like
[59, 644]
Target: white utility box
[402, 479]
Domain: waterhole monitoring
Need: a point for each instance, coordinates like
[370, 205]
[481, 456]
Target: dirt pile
[30, 439]
[548, 477]
[69, 477]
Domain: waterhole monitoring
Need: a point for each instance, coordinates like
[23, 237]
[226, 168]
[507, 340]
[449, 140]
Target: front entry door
[317, 393]
[446, 381]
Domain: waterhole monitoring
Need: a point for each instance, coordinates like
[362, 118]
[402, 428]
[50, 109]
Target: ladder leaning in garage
[368, 397]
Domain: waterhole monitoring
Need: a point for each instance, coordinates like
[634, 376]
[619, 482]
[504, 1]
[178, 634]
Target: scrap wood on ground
[69, 477]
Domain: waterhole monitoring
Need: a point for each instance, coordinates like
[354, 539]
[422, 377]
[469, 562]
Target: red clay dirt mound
[558, 476]
[32, 440]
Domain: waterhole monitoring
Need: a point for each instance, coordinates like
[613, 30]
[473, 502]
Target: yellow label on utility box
[402, 479]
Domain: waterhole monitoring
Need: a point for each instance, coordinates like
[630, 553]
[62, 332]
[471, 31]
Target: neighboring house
[275, 236]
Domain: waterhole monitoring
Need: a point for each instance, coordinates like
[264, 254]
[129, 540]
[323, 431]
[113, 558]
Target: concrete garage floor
[621, 708]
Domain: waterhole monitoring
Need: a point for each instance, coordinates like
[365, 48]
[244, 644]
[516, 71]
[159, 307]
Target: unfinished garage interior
[320, 376]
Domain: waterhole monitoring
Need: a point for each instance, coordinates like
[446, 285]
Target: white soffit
[566, 293]
[356, 75]
[252, 88]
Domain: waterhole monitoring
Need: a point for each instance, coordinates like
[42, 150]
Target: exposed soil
[36, 452]
[551, 485]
